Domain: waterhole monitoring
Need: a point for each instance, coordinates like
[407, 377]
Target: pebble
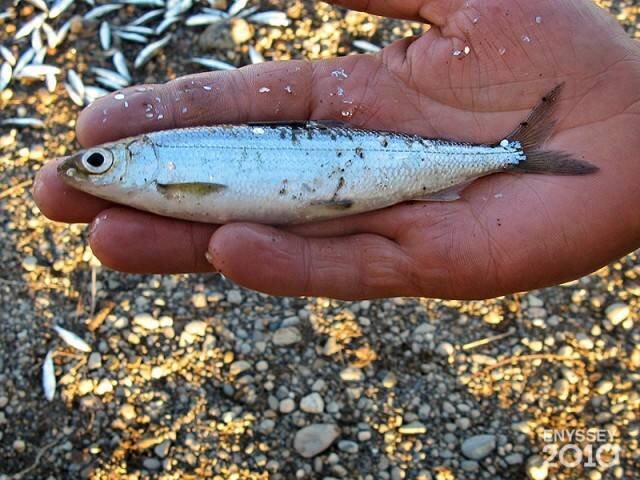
[537, 468]
[94, 362]
[445, 349]
[162, 449]
[364, 435]
[287, 405]
[29, 263]
[348, 446]
[389, 380]
[352, 374]
[493, 318]
[312, 403]
[197, 328]
[234, 297]
[239, 366]
[286, 336]
[514, 459]
[19, 445]
[146, 321]
[584, 341]
[315, 439]
[478, 446]
[103, 387]
[617, 313]
[603, 387]
[199, 300]
[151, 463]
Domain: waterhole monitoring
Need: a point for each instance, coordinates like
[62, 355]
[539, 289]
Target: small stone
[103, 387]
[197, 328]
[537, 468]
[364, 435]
[493, 318]
[348, 446]
[478, 446]
[162, 449]
[95, 361]
[3, 401]
[239, 366]
[286, 336]
[352, 374]
[514, 459]
[604, 387]
[29, 263]
[584, 341]
[413, 428]
[389, 380]
[151, 463]
[234, 297]
[315, 439]
[146, 321]
[312, 403]
[128, 412]
[445, 349]
[19, 445]
[241, 31]
[199, 300]
[287, 405]
[469, 465]
[617, 313]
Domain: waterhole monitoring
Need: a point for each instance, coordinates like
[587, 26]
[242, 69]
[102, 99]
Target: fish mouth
[67, 169]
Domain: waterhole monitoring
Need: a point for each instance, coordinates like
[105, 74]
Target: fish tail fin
[534, 132]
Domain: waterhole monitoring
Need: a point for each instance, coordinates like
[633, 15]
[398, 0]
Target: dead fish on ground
[49, 377]
[72, 339]
[295, 173]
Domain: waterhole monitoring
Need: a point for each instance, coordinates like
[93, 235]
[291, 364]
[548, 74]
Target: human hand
[507, 233]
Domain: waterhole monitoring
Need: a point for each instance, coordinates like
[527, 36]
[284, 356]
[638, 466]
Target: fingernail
[209, 258]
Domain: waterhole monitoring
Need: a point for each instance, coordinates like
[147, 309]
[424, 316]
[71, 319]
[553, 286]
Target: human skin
[508, 233]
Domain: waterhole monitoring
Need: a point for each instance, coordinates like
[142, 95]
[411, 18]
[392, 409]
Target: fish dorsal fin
[302, 124]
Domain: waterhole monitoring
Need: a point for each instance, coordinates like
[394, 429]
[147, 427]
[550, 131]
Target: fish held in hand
[296, 173]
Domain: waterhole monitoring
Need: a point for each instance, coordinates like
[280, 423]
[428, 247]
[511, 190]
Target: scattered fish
[37, 71]
[131, 37]
[5, 75]
[105, 36]
[166, 23]
[62, 33]
[59, 7]
[22, 122]
[255, 56]
[92, 93]
[147, 17]
[74, 95]
[98, 12]
[39, 4]
[76, 82]
[72, 339]
[50, 34]
[137, 29]
[149, 51]
[237, 6]
[144, 3]
[110, 75]
[271, 18]
[8, 55]
[366, 46]
[121, 65]
[36, 40]
[49, 377]
[292, 173]
[24, 60]
[213, 63]
[51, 82]
[203, 19]
[30, 26]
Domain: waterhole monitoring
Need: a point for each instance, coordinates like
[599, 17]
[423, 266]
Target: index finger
[274, 91]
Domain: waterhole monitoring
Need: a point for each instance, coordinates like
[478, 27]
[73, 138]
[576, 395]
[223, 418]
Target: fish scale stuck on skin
[296, 173]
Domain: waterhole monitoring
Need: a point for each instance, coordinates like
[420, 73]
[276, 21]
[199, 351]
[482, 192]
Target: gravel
[192, 376]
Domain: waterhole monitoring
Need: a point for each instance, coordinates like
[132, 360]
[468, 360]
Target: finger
[272, 91]
[281, 263]
[432, 11]
[138, 242]
[61, 203]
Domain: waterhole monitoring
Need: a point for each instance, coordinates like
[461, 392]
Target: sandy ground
[190, 376]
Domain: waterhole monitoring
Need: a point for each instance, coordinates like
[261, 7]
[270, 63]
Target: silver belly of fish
[281, 174]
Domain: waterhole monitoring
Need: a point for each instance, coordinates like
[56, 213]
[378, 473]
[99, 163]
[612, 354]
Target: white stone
[312, 403]
[413, 428]
[287, 405]
[315, 439]
[617, 313]
[537, 468]
[478, 446]
[146, 321]
[234, 297]
[286, 336]
[196, 327]
[94, 362]
[239, 366]
[352, 374]
[103, 387]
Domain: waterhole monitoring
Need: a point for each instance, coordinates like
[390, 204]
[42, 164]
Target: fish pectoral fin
[450, 194]
[189, 188]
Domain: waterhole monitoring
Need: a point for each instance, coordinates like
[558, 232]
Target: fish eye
[97, 161]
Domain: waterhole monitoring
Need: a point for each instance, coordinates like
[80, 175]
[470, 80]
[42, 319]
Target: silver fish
[72, 339]
[49, 377]
[105, 36]
[37, 71]
[131, 37]
[5, 75]
[59, 7]
[255, 56]
[8, 55]
[22, 122]
[31, 25]
[24, 60]
[98, 12]
[147, 16]
[366, 46]
[284, 174]
[40, 4]
[149, 51]
[271, 18]
[92, 93]
[74, 95]
[213, 63]
[237, 7]
[121, 65]
[50, 33]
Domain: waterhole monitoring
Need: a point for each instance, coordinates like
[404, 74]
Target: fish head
[95, 167]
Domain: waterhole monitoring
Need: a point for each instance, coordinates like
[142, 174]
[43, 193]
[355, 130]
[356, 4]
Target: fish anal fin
[450, 194]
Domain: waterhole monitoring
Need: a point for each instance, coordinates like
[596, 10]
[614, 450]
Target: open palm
[472, 77]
